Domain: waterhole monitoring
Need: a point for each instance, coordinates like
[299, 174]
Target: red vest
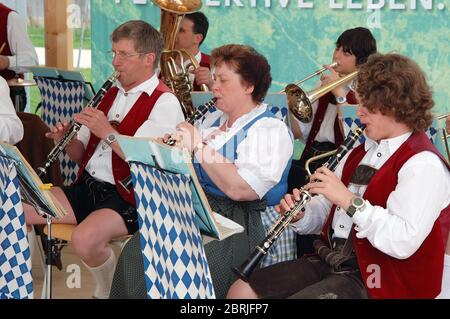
[420, 275]
[4, 12]
[204, 61]
[318, 118]
[138, 114]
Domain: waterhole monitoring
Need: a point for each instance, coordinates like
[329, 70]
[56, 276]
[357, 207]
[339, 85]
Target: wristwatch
[357, 203]
[341, 99]
[110, 139]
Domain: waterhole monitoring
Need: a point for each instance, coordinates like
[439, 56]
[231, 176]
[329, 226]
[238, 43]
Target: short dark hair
[359, 42]
[395, 85]
[201, 23]
[146, 38]
[249, 64]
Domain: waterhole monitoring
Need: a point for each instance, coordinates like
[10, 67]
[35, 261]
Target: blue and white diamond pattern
[16, 281]
[279, 111]
[174, 259]
[60, 101]
[351, 124]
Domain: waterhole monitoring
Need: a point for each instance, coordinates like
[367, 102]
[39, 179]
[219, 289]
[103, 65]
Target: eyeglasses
[123, 55]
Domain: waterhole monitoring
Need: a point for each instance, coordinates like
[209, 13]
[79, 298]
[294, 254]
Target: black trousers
[298, 177]
[307, 278]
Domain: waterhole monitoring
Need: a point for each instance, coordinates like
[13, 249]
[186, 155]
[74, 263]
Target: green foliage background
[298, 41]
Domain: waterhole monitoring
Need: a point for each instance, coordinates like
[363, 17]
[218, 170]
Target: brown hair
[396, 86]
[249, 64]
[146, 38]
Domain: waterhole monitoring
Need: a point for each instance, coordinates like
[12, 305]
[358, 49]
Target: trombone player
[324, 133]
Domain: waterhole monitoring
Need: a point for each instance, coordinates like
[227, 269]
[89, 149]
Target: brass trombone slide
[332, 65]
[445, 136]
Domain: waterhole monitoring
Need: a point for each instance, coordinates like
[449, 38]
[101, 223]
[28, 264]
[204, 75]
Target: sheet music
[31, 186]
[152, 152]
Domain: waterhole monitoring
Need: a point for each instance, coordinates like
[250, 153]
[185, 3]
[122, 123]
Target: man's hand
[203, 76]
[96, 121]
[333, 76]
[326, 183]
[58, 131]
[288, 202]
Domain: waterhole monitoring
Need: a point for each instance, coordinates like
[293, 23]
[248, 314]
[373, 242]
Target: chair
[60, 101]
[438, 137]
[350, 121]
[276, 101]
[63, 234]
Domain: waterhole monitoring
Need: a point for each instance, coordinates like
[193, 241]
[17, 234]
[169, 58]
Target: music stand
[65, 76]
[34, 192]
[175, 219]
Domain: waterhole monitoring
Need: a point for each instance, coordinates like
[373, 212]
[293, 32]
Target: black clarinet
[246, 269]
[65, 140]
[127, 184]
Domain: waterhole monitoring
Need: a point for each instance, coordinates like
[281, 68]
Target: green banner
[298, 36]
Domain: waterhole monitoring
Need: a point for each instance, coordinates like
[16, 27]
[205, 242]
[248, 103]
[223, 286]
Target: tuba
[172, 63]
[300, 102]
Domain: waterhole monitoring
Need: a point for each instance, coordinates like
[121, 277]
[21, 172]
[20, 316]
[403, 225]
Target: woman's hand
[288, 202]
[187, 136]
[326, 183]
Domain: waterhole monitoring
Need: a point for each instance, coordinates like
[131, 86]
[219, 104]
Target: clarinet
[126, 183]
[246, 269]
[65, 140]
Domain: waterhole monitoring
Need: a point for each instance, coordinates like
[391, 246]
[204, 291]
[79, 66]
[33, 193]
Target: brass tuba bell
[300, 102]
[175, 74]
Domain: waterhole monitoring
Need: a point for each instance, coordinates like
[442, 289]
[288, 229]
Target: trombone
[332, 65]
[300, 102]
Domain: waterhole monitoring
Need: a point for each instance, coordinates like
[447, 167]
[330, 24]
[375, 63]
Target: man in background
[16, 51]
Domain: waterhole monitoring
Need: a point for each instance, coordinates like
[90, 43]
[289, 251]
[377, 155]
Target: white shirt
[11, 127]
[423, 190]
[186, 63]
[326, 130]
[163, 118]
[263, 155]
[22, 50]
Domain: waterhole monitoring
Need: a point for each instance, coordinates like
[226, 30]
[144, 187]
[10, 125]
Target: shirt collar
[147, 86]
[244, 119]
[392, 143]
[198, 56]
